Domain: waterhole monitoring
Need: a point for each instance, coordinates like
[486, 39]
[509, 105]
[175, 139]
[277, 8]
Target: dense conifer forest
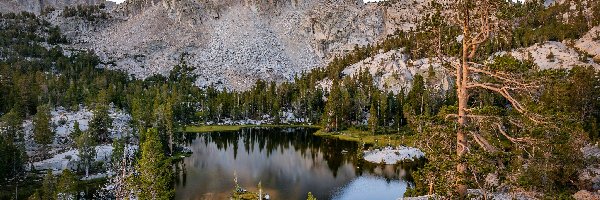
[540, 152]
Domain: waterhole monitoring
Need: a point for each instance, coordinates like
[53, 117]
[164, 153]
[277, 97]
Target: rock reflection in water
[289, 162]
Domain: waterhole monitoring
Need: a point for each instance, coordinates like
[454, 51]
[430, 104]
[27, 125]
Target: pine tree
[118, 152]
[100, 123]
[332, 117]
[316, 105]
[76, 131]
[11, 126]
[48, 185]
[138, 114]
[12, 149]
[48, 189]
[399, 117]
[42, 134]
[164, 124]
[275, 112]
[155, 177]
[373, 120]
[87, 150]
[415, 98]
[66, 187]
[72, 97]
[384, 110]
[11, 159]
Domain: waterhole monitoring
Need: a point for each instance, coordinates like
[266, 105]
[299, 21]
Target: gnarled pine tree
[479, 21]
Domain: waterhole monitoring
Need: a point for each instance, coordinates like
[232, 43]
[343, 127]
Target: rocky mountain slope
[37, 6]
[233, 43]
[394, 70]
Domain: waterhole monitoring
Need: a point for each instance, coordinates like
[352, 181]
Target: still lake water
[289, 163]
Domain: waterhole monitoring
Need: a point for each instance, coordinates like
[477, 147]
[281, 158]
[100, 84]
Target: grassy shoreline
[367, 137]
[352, 134]
[216, 128]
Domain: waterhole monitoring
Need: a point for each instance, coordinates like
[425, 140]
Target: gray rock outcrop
[232, 43]
[36, 6]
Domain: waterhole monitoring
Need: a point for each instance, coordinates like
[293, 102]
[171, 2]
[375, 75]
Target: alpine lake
[288, 163]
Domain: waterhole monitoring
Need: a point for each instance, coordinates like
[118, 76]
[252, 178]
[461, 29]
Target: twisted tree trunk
[461, 136]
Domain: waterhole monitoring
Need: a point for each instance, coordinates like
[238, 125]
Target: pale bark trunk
[462, 76]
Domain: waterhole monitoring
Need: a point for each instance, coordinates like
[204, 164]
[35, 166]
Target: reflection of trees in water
[180, 172]
[301, 140]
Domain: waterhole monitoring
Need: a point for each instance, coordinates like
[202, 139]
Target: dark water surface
[289, 163]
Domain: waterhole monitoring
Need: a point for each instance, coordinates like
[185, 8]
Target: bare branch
[477, 117]
[503, 77]
[514, 140]
[483, 143]
[502, 91]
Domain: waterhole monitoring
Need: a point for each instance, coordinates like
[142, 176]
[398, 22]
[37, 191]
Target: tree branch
[483, 142]
[503, 77]
[514, 140]
[502, 91]
[478, 117]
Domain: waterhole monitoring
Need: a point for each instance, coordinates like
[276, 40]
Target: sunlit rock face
[233, 43]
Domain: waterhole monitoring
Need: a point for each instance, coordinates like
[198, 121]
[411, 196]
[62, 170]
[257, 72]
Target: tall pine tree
[155, 177]
[42, 132]
[87, 151]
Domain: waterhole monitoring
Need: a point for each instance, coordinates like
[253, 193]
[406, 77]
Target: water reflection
[289, 162]
[366, 187]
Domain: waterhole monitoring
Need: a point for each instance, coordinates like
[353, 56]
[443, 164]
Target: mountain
[37, 6]
[232, 43]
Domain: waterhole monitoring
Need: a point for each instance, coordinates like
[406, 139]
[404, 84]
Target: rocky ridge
[38, 6]
[394, 70]
[554, 55]
[232, 43]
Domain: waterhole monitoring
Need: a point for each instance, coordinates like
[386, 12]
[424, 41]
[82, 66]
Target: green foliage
[88, 12]
[568, 94]
[76, 131]
[155, 177]
[441, 161]
[100, 123]
[66, 187]
[11, 126]
[12, 159]
[539, 24]
[416, 99]
[310, 196]
[333, 116]
[48, 186]
[373, 121]
[555, 168]
[42, 132]
[86, 145]
[118, 152]
[33, 77]
[510, 64]
[549, 164]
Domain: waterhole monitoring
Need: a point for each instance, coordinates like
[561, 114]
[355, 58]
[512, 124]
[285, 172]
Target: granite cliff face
[36, 6]
[232, 43]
